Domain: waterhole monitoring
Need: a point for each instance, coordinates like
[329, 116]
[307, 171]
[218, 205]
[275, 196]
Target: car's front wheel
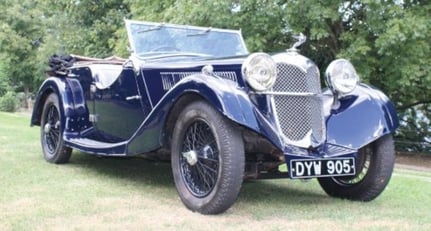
[207, 159]
[53, 147]
[374, 166]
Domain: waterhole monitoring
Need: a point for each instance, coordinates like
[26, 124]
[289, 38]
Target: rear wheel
[374, 167]
[51, 132]
[207, 159]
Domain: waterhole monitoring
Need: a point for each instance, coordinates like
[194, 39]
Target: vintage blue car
[220, 114]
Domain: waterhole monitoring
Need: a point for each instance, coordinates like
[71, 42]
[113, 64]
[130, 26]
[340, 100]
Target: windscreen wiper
[200, 33]
[157, 27]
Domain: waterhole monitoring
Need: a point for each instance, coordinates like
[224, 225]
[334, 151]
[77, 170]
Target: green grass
[92, 193]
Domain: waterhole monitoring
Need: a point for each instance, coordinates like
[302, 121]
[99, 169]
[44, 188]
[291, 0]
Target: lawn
[92, 193]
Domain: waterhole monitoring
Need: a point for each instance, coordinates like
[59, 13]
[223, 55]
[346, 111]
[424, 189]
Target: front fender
[362, 117]
[230, 100]
[233, 102]
[224, 95]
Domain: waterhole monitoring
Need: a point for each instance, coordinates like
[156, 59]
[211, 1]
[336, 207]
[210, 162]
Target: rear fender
[361, 118]
[71, 99]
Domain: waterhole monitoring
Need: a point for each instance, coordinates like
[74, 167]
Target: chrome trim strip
[170, 78]
[305, 94]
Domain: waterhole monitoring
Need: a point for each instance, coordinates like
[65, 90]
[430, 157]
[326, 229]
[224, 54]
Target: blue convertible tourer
[220, 114]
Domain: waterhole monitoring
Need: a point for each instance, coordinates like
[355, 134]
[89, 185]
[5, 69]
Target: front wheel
[51, 132]
[374, 166]
[207, 159]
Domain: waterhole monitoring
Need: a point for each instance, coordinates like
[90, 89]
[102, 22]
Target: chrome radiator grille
[300, 117]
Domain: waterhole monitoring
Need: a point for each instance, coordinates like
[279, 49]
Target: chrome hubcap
[47, 128]
[191, 157]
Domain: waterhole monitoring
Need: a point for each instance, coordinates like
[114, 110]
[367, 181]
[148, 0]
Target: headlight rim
[333, 79]
[252, 61]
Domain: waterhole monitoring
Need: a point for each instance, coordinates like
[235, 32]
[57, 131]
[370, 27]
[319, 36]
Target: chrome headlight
[260, 71]
[341, 76]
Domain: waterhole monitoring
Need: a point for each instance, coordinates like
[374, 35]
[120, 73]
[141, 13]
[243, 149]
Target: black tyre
[374, 167]
[207, 159]
[51, 131]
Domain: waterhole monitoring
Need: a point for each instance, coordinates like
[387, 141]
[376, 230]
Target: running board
[97, 147]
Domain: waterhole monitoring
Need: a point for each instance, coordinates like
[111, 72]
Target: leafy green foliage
[84, 27]
[4, 81]
[8, 102]
[398, 46]
[388, 41]
[20, 35]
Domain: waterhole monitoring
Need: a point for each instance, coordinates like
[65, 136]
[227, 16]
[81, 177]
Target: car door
[117, 101]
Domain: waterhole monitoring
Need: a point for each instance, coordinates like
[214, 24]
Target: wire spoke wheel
[200, 176]
[53, 146]
[207, 159]
[52, 129]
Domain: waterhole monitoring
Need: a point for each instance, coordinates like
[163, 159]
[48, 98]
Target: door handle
[133, 97]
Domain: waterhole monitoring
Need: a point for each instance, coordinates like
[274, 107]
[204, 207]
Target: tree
[20, 35]
[390, 45]
[388, 41]
[251, 16]
[84, 27]
[395, 40]
[31, 31]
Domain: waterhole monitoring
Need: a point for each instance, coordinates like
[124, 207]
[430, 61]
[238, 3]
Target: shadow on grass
[135, 169]
[282, 191]
[159, 174]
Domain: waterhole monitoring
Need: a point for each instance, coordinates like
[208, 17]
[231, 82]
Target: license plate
[306, 168]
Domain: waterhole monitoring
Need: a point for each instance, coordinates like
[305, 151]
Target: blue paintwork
[72, 104]
[224, 96]
[363, 116]
[131, 127]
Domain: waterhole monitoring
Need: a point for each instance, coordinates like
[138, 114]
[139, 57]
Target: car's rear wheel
[374, 167]
[53, 147]
[207, 159]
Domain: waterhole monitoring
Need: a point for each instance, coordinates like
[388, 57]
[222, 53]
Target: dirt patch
[414, 161]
